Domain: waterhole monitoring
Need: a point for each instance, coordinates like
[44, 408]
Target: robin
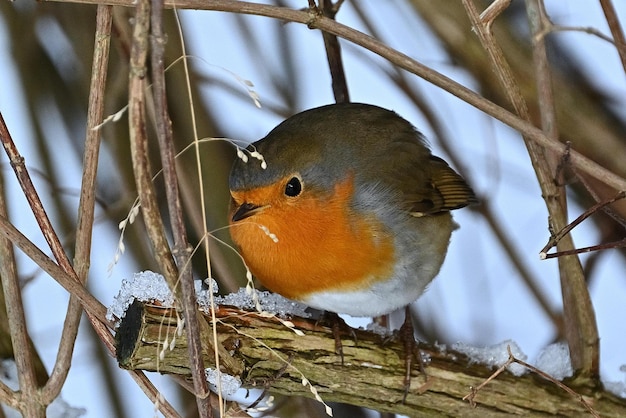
[350, 211]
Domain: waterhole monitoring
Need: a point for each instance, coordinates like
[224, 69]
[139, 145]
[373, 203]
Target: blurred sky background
[476, 298]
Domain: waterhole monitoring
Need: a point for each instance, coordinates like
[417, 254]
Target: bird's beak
[246, 210]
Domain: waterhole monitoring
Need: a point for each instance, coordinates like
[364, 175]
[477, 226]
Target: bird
[348, 210]
[351, 213]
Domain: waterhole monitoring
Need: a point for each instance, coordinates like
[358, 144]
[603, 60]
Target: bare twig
[566, 230]
[333, 51]
[7, 396]
[539, 19]
[95, 114]
[30, 404]
[474, 390]
[512, 359]
[89, 302]
[213, 341]
[181, 246]
[558, 383]
[154, 395]
[537, 15]
[68, 338]
[165, 138]
[583, 163]
[585, 29]
[493, 11]
[17, 163]
[86, 207]
[139, 148]
[616, 29]
[580, 326]
[599, 247]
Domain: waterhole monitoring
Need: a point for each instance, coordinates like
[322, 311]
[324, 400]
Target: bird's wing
[442, 190]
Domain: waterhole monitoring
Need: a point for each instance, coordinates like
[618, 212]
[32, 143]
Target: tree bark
[265, 353]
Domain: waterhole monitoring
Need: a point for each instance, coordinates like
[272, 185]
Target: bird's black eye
[293, 187]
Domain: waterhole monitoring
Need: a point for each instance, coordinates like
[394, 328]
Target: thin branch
[89, 302]
[558, 383]
[495, 9]
[616, 29]
[599, 247]
[333, 50]
[165, 138]
[95, 112]
[545, 96]
[91, 305]
[470, 397]
[583, 163]
[139, 148]
[70, 329]
[181, 245]
[580, 325]
[63, 361]
[539, 19]
[587, 213]
[512, 359]
[86, 207]
[219, 354]
[154, 395]
[17, 163]
[7, 396]
[585, 29]
[30, 404]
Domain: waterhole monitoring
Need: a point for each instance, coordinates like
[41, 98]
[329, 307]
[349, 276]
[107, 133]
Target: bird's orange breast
[322, 244]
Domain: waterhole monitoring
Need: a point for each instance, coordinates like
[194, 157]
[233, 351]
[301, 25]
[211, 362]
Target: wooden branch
[582, 113]
[581, 330]
[616, 29]
[333, 51]
[266, 353]
[181, 250]
[21, 348]
[397, 58]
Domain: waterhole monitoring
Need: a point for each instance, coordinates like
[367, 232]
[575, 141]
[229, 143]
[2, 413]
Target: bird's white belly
[379, 299]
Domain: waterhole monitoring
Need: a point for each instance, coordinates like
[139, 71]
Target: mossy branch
[268, 354]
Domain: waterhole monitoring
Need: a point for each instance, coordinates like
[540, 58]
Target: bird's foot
[411, 351]
[339, 328]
